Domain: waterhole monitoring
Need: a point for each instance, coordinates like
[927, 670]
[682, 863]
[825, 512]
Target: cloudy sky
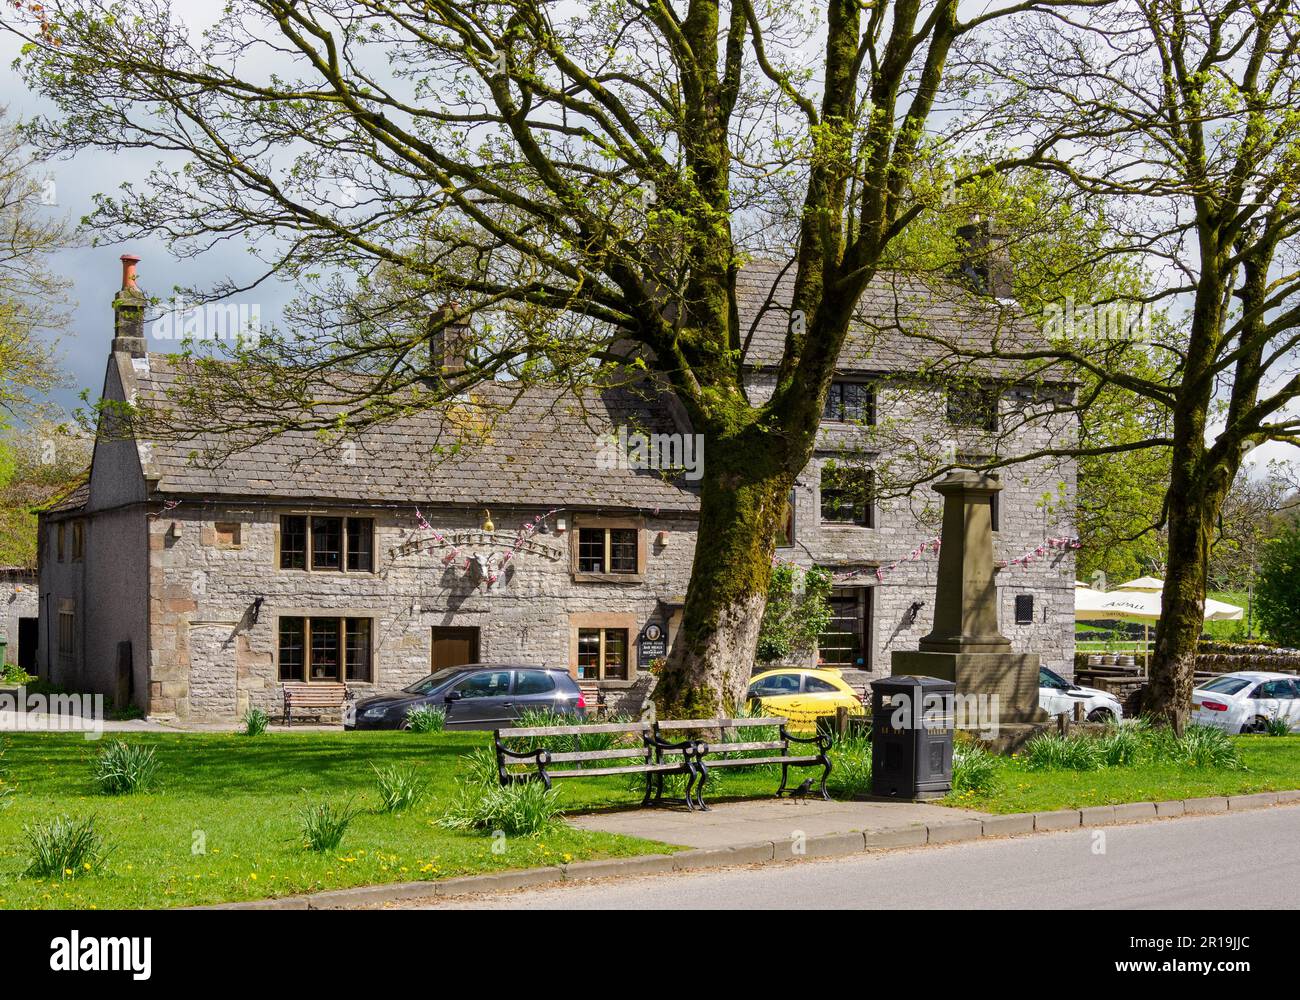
[95, 271]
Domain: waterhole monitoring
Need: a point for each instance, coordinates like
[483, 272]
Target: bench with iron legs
[312, 699]
[715, 755]
[653, 757]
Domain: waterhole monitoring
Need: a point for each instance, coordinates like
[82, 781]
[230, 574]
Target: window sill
[608, 578]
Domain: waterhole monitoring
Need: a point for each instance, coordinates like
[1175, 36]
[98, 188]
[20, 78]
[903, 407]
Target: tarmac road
[1236, 860]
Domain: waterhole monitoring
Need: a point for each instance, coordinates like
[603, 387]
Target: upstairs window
[1024, 609]
[850, 401]
[976, 408]
[78, 540]
[608, 551]
[329, 544]
[848, 496]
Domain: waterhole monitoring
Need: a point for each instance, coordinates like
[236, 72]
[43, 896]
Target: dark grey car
[474, 696]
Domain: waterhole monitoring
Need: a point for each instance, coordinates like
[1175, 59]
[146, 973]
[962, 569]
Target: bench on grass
[711, 755]
[312, 699]
[651, 757]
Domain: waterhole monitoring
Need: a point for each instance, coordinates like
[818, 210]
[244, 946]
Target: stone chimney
[449, 341]
[985, 262]
[128, 311]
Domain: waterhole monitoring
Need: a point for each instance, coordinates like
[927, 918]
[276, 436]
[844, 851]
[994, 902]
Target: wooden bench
[312, 699]
[714, 755]
[650, 756]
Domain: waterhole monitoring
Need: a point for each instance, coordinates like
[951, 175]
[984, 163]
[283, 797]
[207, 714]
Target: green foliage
[1277, 593]
[426, 719]
[11, 673]
[478, 768]
[323, 824]
[1047, 751]
[38, 464]
[522, 809]
[6, 785]
[255, 722]
[974, 769]
[1277, 725]
[1120, 746]
[400, 787]
[1130, 744]
[122, 768]
[792, 622]
[65, 848]
[850, 766]
[1206, 747]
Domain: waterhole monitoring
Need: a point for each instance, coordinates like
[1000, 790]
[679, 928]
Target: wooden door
[453, 647]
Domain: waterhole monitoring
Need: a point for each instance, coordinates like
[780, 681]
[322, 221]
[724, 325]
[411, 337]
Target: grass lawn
[1273, 762]
[239, 796]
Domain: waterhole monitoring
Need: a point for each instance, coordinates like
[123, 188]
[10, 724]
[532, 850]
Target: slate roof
[894, 315]
[545, 448]
[71, 501]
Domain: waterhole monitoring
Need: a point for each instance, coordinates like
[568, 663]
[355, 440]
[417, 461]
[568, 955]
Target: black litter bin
[911, 737]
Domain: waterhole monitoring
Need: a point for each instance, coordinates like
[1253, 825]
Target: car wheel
[1259, 725]
[1101, 715]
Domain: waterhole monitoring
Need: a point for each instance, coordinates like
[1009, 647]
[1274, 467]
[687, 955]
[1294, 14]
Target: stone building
[194, 591]
[19, 616]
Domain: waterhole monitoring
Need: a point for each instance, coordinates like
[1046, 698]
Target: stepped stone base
[1011, 677]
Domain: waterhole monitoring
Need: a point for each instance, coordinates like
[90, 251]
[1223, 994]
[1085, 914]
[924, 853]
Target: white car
[1245, 702]
[1057, 695]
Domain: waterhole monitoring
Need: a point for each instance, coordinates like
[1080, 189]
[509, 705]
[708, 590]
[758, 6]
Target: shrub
[426, 719]
[11, 673]
[478, 768]
[974, 769]
[399, 787]
[1275, 725]
[323, 825]
[1120, 746]
[792, 622]
[1277, 592]
[122, 768]
[850, 766]
[1047, 751]
[65, 848]
[255, 722]
[1205, 746]
[521, 809]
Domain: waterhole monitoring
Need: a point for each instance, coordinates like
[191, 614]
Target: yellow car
[802, 694]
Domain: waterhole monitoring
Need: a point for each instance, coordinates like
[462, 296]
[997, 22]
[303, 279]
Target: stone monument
[965, 646]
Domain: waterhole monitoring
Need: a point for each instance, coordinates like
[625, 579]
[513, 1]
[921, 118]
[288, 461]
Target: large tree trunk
[1194, 503]
[745, 487]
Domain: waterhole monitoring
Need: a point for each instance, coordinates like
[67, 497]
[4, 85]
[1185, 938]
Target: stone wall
[213, 656]
[19, 599]
[1036, 503]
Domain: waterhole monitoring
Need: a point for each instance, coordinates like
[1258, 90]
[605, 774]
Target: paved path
[729, 823]
[1237, 860]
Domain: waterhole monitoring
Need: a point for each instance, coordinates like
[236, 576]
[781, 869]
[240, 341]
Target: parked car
[803, 695]
[1057, 695]
[1245, 701]
[474, 696]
